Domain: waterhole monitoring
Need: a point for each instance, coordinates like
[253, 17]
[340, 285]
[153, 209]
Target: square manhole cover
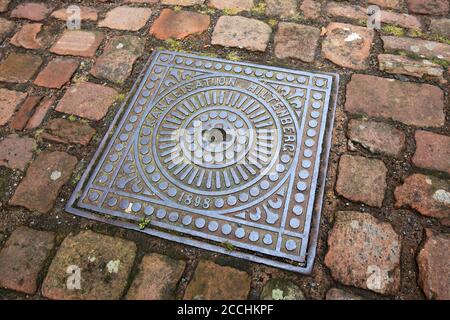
[226, 156]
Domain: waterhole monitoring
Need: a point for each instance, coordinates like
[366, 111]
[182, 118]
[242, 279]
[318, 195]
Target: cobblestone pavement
[385, 226]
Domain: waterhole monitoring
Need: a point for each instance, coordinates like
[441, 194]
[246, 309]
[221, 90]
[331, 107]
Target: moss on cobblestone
[144, 223]
[233, 56]
[204, 9]
[439, 38]
[441, 62]
[259, 9]
[362, 22]
[279, 289]
[393, 30]
[413, 33]
[444, 63]
[72, 118]
[37, 133]
[228, 246]
[121, 97]
[76, 178]
[297, 18]
[230, 11]
[80, 79]
[272, 22]
[416, 33]
[174, 45]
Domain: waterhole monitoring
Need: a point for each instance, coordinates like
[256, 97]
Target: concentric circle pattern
[218, 142]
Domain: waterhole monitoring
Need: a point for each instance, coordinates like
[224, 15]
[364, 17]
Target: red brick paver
[432, 151]
[438, 7]
[311, 9]
[23, 257]
[87, 100]
[157, 278]
[66, 131]
[179, 25]
[44, 180]
[377, 137]
[434, 269]
[16, 152]
[35, 11]
[118, 58]
[296, 41]
[373, 262]
[215, 282]
[241, 32]
[410, 103]
[347, 45]
[57, 73]
[282, 8]
[19, 67]
[356, 13]
[27, 36]
[86, 13]
[40, 113]
[89, 266]
[428, 195]
[412, 67]
[336, 9]
[279, 289]
[126, 18]
[20, 119]
[4, 5]
[362, 180]
[417, 47]
[78, 43]
[234, 5]
[440, 26]
[9, 101]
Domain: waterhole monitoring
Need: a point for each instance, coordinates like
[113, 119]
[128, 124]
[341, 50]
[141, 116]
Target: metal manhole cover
[222, 155]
